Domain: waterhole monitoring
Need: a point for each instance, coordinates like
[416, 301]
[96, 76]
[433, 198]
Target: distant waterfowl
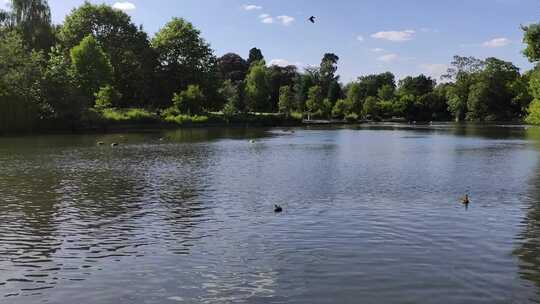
[278, 209]
[465, 200]
[100, 143]
[252, 141]
[312, 19]
[114, 144]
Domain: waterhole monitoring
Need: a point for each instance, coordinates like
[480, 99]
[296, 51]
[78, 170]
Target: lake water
[371, 215]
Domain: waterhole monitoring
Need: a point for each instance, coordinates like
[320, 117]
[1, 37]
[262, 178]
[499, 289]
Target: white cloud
[284, 63]
[496, 42]
[279, 62]
[378, 50]
[396, 36]
[268, 20]
[262, 16]
[388, 58]
[360, 38]
[124, 6]
[251, 7]
[435, 70]
[286, 20]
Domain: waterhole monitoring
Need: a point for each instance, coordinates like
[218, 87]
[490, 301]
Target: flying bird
[312, 19]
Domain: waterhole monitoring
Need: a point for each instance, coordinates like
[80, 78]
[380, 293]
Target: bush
[134, 115]
[190, 100]
[106, 97]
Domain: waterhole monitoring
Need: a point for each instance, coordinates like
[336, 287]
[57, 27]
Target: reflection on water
[371, 213]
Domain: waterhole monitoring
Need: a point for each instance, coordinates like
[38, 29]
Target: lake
[372, 214]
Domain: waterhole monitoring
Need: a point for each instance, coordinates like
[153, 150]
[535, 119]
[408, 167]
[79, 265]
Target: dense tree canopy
[126, 46]
[184, 59]
[69, 75]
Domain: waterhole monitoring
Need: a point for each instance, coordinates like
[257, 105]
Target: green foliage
[386, 92]
[315, 99]
[91, 66]
[533, 116]
[134, 115]
[355, 97]
[534, 113]
[285, 100]
[341, 108]
[189, 101]
[32, 19]
[532, 39]
[21, 73]
[326, 108]
[371, 108]
[257, 90]
[184, 59]
[106, 97]
[64, 100]
[126, 46]
[231, 93]
[171, 115]
[255, 55]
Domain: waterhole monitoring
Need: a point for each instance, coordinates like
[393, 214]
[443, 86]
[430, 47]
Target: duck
[465, 200]
[114, 144]
[252, 141]
[278, 209]
[100, 143]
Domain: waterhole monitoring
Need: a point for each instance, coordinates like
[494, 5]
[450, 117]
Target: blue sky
[370, 36]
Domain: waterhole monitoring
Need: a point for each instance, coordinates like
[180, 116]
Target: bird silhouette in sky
[312, 19]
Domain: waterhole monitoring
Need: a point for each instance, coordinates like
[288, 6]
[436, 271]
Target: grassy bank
[142, 118]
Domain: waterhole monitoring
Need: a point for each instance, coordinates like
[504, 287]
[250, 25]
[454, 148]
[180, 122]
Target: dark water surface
[371, 216]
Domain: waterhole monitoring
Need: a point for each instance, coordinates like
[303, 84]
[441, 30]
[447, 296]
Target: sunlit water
[371, 215]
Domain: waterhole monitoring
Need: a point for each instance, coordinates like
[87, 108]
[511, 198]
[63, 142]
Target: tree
[185, 59]
[91, 66]
[335, 92]
[21, 75]
[327, 72]
[255, 55]
[106, 97]
[32, 19]
[65, 102]
[355, 97]
[285, 100]
[532, 40]
[370, 108]
[371, 84]
[302, 84]
[463, 72]
[416, 86]
[232, 94]
[126, 45]
[189, 101]
[341, 109]
[533, 116]
[257, 89]
[277, 78]
[386, 92]
[315, 99]
[233, 67]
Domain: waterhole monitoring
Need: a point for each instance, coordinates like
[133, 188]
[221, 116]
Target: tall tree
[185, 58]
[91, 65]
[255, 55]
[32, 18]
[257, 89]
[327, 71]
[532, 40]
[126, 45]
[233, 67]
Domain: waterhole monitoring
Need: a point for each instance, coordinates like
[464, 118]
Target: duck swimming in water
[278, 209]
[465, 200]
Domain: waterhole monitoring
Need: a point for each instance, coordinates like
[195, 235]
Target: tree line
[68, 75]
